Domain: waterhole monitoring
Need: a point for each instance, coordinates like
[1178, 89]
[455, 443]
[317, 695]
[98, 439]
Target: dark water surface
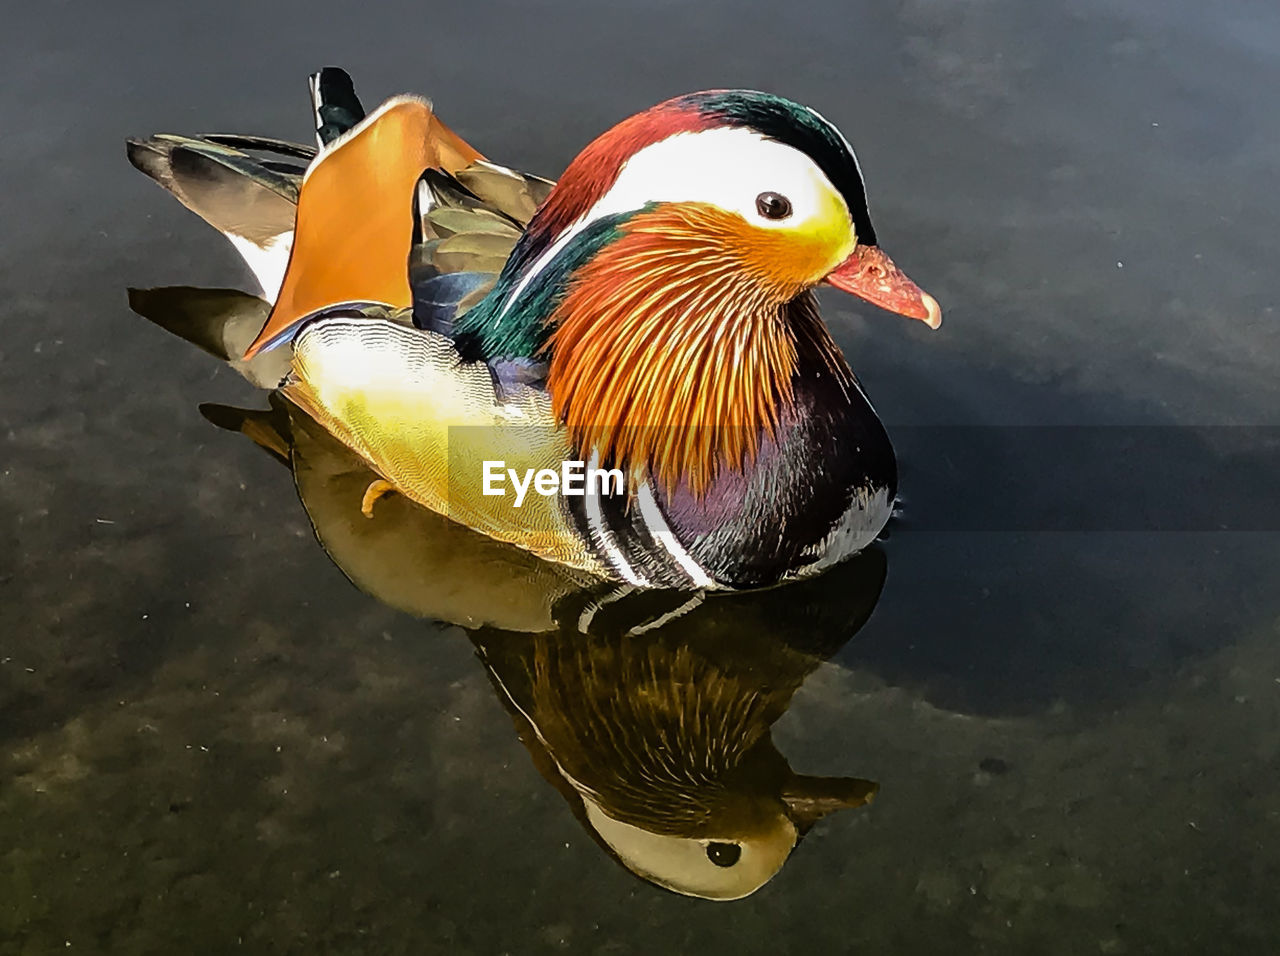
[209, 739]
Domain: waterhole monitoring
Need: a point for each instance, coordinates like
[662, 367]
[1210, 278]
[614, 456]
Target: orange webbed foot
[377, 488]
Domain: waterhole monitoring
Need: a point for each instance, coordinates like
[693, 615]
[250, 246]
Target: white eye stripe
[727, 166]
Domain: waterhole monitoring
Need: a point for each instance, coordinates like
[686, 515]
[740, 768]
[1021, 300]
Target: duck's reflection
[661, 744]
[649, 712]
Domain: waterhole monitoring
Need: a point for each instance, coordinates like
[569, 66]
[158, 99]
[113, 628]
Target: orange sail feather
[354, 227]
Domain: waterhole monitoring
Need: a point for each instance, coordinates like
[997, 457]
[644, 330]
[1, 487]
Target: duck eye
[773, 205]
[723, 854]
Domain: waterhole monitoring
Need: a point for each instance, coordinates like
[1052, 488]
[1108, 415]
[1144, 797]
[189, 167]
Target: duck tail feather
[250, 200]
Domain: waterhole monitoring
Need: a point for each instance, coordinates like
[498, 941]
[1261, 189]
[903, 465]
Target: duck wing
[463, 236]
[429, 425]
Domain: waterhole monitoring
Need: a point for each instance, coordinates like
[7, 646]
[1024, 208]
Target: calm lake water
[1061, 668]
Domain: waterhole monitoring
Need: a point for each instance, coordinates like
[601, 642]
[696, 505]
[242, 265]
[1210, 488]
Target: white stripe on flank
[661, 531]
[604, 538]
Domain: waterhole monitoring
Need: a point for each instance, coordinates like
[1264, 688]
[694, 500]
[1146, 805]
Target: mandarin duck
[650, 316]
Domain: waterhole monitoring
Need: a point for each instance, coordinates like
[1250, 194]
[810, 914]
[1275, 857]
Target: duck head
[771, 186]
[667, 278]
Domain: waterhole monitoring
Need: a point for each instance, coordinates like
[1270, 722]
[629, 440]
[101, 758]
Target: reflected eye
[723, 854]
[773, 205]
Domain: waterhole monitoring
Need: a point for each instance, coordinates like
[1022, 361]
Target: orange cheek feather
[787, 261]
[672, 350]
